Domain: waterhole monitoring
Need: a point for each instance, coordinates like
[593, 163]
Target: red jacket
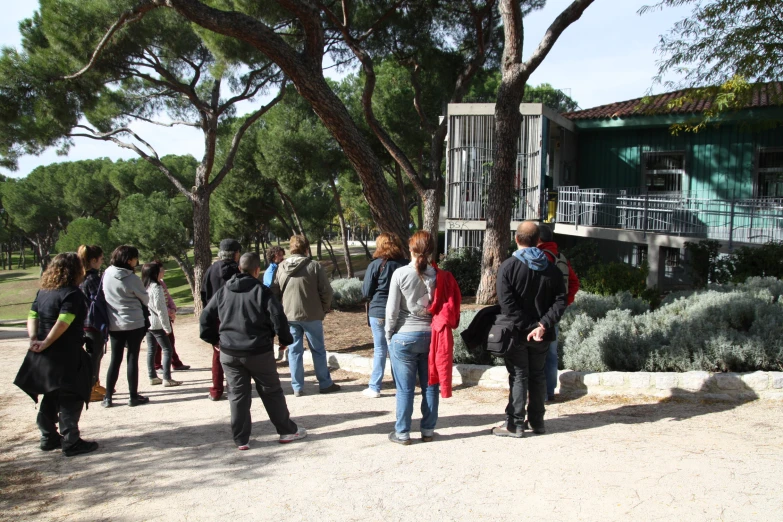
[445, 317]
[573, 281]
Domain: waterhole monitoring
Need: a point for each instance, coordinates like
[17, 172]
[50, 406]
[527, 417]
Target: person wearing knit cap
[214, 279]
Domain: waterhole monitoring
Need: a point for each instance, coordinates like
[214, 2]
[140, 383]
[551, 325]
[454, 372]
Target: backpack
[561, 262]
[97, 312]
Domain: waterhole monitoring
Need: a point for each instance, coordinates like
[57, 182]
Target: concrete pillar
[655, 264]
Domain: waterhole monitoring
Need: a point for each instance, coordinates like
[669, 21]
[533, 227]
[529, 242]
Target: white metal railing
[758, 220]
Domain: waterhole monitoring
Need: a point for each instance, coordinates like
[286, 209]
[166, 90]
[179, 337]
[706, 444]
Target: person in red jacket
[546, 243]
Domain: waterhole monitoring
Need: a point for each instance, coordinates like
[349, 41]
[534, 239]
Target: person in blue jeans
[389, 256]
[408, 332]
[306, 294]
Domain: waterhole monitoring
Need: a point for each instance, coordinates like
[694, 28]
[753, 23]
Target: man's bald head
[527, 234]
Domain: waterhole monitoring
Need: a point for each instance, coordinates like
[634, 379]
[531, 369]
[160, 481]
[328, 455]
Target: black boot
[80, 448]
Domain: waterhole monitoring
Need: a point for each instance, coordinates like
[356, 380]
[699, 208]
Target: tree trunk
[202, 252]
[22, 261]
[341, 218]
[187, 269]
[431, 203]
[333, 258]
[366, 250]
[401, 189]
[318, 249]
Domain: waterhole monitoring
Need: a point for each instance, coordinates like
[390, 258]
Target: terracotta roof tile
[764, 95]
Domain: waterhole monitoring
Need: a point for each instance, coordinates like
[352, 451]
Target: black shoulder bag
[501, 335]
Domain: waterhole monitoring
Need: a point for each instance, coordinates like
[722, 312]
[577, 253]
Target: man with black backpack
[242, 318]
[546, 243]
[532, 295]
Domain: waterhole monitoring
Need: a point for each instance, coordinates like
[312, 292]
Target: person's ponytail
[422, 246]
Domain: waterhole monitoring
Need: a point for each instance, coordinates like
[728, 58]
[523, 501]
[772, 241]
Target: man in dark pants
[214, 278]
[242, 318]
[532, 294]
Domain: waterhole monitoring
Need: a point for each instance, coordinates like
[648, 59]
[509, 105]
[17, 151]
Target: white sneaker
[156, 381]
[300, 434]
[370, 393]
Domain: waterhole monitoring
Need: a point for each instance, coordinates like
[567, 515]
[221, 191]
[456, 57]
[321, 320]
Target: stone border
[696, 385]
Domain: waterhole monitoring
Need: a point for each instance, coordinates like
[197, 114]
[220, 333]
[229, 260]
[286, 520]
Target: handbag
[145, 311]
[501, 336]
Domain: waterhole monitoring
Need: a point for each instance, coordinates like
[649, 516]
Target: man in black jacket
[242, 318]
[531, 292]
[214, 278]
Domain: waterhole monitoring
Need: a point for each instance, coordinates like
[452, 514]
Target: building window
[673, 260]
[663, 171]
[769, 182]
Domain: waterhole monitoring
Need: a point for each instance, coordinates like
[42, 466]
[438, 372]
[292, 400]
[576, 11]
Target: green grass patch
[17, 291]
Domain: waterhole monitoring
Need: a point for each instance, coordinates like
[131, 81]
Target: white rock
[756, 381]
[728, 381]
[665, 381]
[694, 381]
[613, 379]
[639, 380]
[777, 379]
[592, 379]
[567, 377]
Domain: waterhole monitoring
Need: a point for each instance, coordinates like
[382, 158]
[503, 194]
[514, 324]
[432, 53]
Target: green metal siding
[719, 161]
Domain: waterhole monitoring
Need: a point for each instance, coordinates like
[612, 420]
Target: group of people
[75, 314]
[413, 307]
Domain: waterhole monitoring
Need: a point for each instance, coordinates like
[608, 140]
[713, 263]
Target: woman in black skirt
[56, 365]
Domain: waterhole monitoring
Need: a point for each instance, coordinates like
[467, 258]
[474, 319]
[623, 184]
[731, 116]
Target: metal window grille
[770, 173]
[663, 171]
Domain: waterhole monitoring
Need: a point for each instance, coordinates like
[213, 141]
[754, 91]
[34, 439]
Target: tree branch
[570, 14]
[235, 141]
[151, 158]
[170, 124]
[128, 17]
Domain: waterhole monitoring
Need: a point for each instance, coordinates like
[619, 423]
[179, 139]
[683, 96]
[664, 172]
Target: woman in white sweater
[160, 325]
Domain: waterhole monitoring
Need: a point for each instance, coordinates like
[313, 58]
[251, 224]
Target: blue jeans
[409, 353]
[315, 335]
[550, 366]
[380, 350]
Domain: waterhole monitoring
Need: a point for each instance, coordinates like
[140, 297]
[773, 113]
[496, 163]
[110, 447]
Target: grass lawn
[17, 291]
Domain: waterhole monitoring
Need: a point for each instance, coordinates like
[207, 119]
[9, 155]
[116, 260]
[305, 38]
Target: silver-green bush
[347, 293]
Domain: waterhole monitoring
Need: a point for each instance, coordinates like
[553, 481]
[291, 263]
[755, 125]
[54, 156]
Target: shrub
[705, 264]
[611, 278]
[724, 328]
[465, 266]
[583, 255]
[763, 261]
[347, 293]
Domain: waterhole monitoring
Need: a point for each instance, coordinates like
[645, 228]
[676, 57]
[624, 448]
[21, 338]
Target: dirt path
[603, 459]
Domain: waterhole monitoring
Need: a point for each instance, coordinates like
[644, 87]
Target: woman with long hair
[160, 325]
[56, 366]
[408, 333]
[389, 255]
[126, 301]
[91, 257]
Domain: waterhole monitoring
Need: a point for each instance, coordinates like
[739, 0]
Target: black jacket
[90, 287]
[215, 277]
[64, 365]
[475, 335]
[243, 317]
[376, 285]
[529, 296]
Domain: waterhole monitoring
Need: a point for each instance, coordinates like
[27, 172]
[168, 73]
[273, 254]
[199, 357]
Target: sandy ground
[603, 459]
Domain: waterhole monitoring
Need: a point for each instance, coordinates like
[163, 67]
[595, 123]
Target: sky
[604, 57]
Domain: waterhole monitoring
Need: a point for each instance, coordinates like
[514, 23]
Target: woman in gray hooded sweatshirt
[125, 297]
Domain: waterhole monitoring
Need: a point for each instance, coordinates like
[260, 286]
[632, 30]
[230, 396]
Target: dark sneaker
[181, 367]
[503, 431]
[331, 389]
[52, 443]
[80, 448]
[106, 402]
[138, 400]
[538, 430]
[426, 438]
[395, 439]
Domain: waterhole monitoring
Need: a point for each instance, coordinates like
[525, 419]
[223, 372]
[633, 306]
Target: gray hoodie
[124, 296]
[308, 294]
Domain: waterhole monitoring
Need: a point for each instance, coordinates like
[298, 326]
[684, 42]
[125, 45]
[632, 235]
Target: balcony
[689, 214]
